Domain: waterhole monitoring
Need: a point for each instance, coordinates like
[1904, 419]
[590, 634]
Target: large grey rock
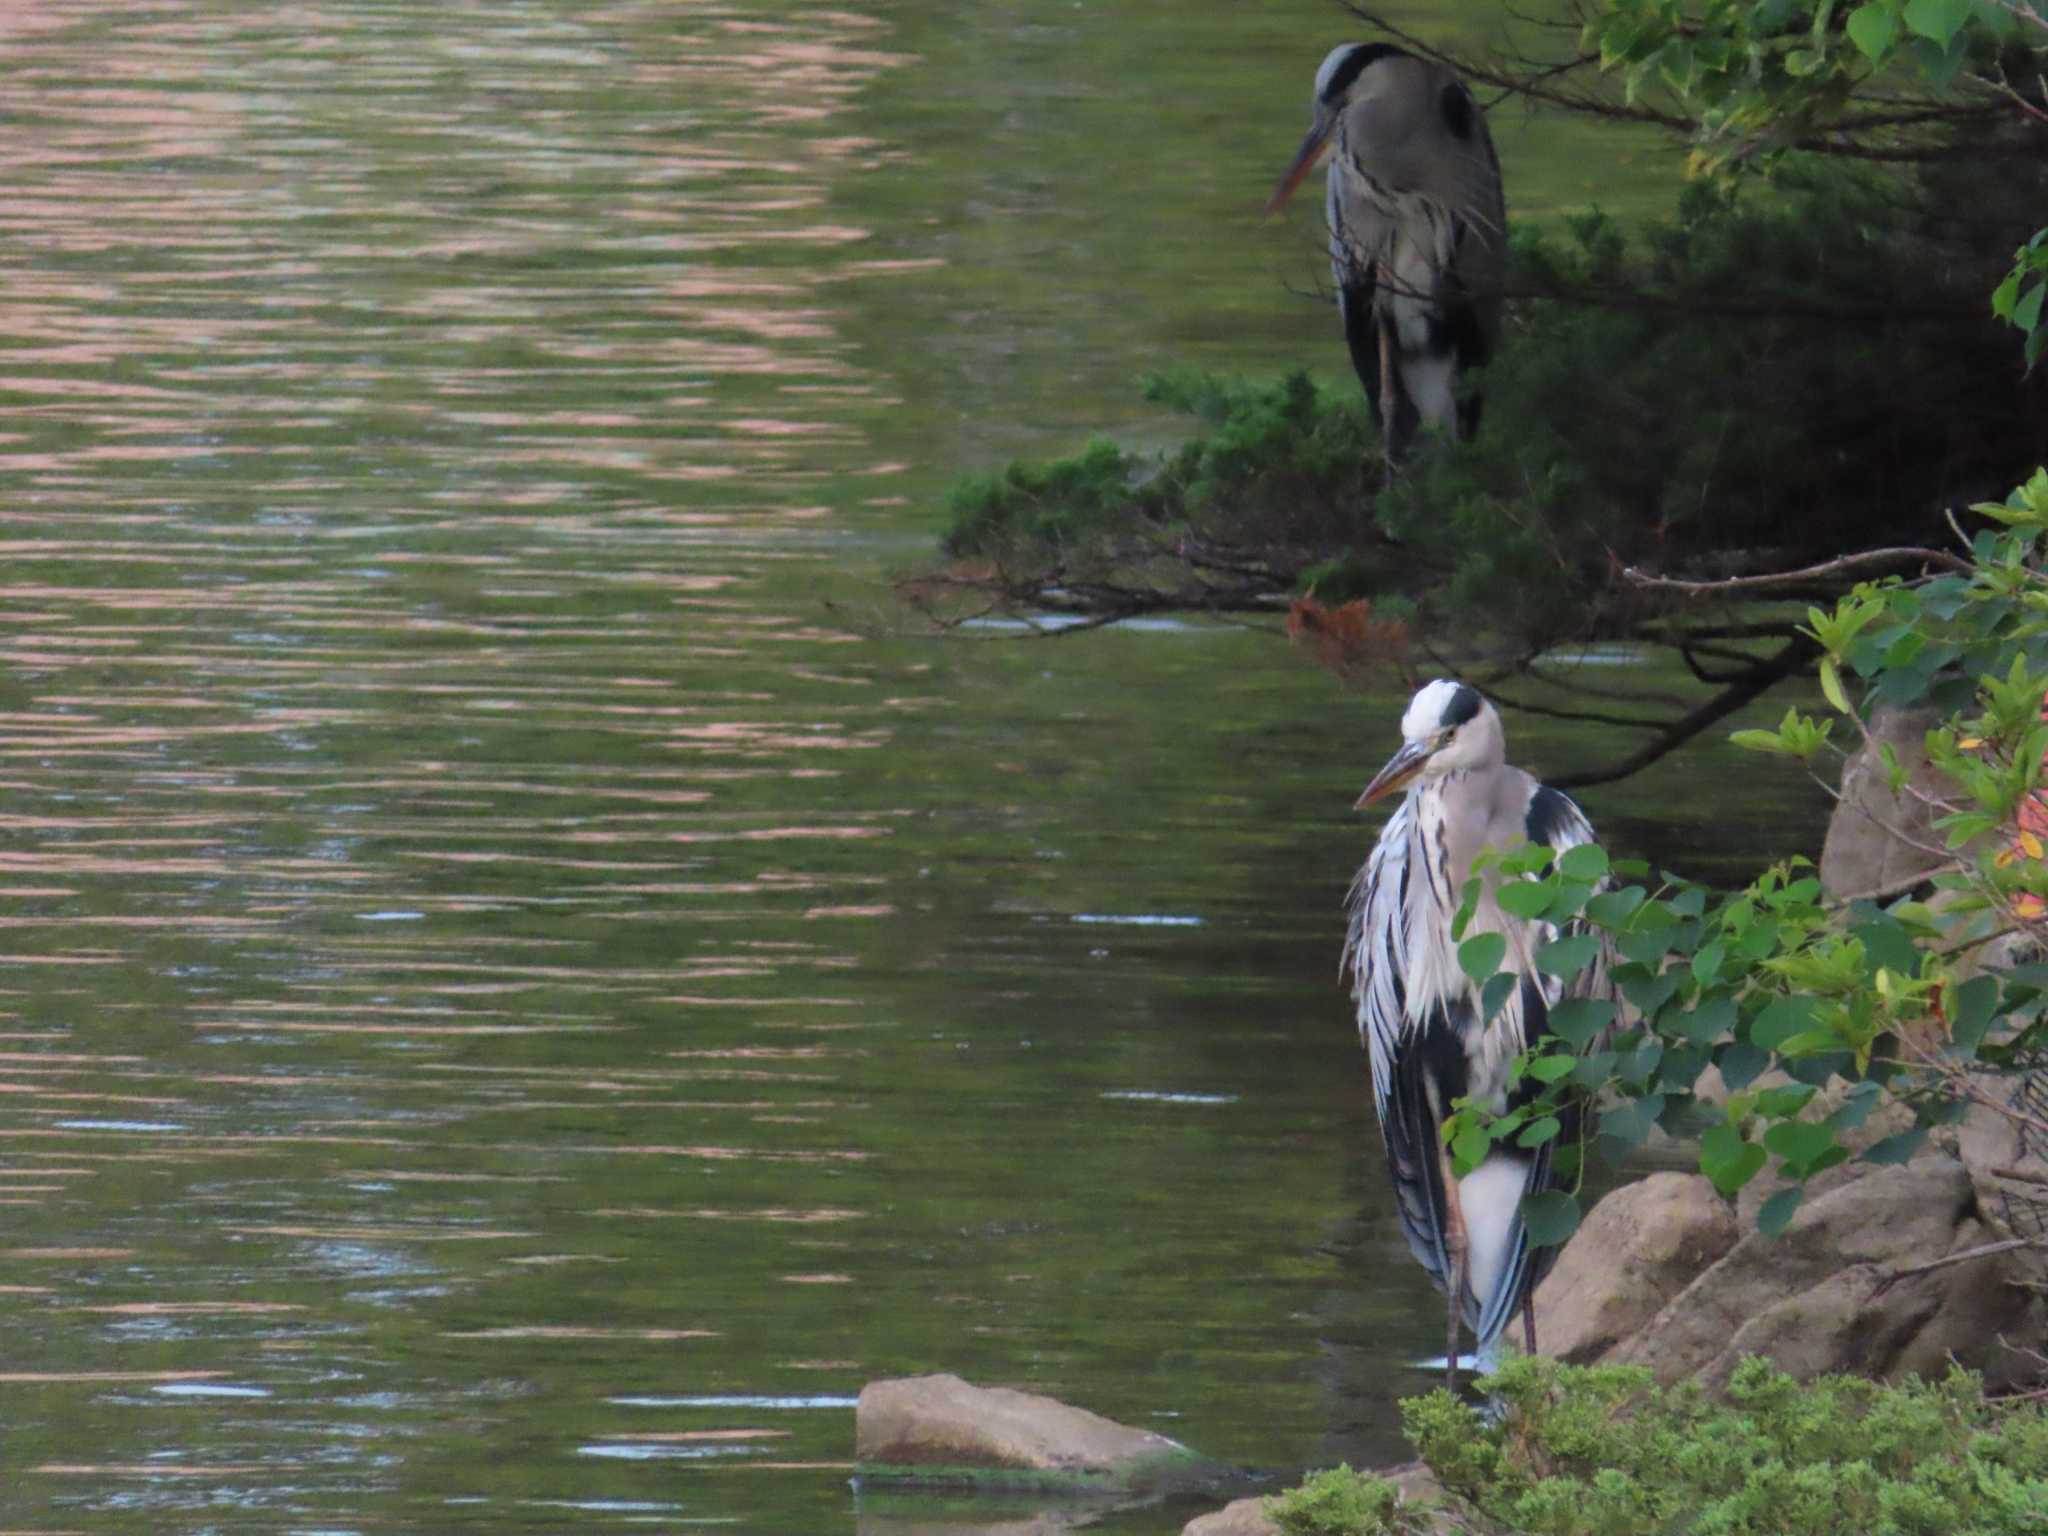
[1636, 1250]
[944, 1422]
[1844, 1289]
[1872, 833]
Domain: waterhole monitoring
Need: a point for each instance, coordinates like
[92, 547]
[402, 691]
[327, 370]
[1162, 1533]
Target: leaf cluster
[1886, 79]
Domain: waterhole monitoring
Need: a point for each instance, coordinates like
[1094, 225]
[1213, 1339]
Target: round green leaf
[1588, 861]
[1936, 20]
[1776, 1213]
[1873, 29]
[1523, 898]
[1480, 956]
[1550, 1216]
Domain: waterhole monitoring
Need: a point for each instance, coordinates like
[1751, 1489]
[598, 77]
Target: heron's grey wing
[1376, 951]
[1353, 239]
[1471, 291]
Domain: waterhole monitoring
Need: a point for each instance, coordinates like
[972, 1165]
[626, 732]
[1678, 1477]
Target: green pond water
[523, 982]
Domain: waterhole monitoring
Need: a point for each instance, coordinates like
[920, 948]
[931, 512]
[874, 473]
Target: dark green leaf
[1551, 1216]
[1496, 992]
[1936, 20]
[1577, 1020]
[1480, 956]
[1592, 1071]
[1728, 1160]
[1740, 1064]
[1567, 957]
[1976, 1004]
[1886, 943]
[1647, 946]
[1799, 1142]
[1613, 909]
[1707, 1021]
[1818, 1067]
[1523, 898]
[1690, 902]
[1650, 992]
[1643, 1063]
[1787, 1100]
[1872, 28]
[1469, 1148]
[1588, 861]
[1781, 1019]
[1898, 1148]
[1631, 1120]
[1776, 1213]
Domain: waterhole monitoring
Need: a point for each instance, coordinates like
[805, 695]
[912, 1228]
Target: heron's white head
[1449, 728]
[1337, 82]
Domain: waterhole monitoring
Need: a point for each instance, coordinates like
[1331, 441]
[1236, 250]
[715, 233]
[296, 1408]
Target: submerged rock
[941, 1429]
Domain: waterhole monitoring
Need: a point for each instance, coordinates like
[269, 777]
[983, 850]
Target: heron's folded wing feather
[1375, 953]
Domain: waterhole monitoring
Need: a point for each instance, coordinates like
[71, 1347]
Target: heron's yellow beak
[1400, 771]
[1304, 161]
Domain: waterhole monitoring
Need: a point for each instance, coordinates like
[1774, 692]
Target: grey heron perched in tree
[1418, 231]
[1420, 1017]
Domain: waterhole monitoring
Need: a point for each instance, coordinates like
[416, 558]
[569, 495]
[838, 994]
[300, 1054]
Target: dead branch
[1837, 567]
[1988, 1250]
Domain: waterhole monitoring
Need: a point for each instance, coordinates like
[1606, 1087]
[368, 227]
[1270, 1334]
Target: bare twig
[1846, 563]
[1988, 1250]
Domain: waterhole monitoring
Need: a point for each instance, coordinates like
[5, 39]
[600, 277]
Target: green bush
[1598, 1451]
[1341, 1502]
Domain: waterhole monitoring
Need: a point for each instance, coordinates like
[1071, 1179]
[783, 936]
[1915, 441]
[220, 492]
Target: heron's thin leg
[1455, 1248]
[1388, 404]
[1529, 1322]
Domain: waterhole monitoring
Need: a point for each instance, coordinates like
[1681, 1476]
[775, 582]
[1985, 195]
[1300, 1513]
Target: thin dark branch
[1551, 712]
[1765, 674]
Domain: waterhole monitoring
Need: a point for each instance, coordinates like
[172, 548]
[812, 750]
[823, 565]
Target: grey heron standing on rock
[1419, 1015]
[1418, 231]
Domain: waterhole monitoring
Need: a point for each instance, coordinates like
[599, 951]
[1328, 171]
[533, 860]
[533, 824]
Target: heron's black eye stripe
[1463, 706]
[1354, 65]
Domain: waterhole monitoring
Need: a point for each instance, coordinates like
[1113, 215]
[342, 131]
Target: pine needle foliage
[1774, 375]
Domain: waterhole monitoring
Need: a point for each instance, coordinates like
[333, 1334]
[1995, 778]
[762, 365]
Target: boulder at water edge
[1635, 1251]
[940, 1429]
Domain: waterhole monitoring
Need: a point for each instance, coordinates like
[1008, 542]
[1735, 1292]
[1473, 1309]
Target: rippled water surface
[521, 987]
